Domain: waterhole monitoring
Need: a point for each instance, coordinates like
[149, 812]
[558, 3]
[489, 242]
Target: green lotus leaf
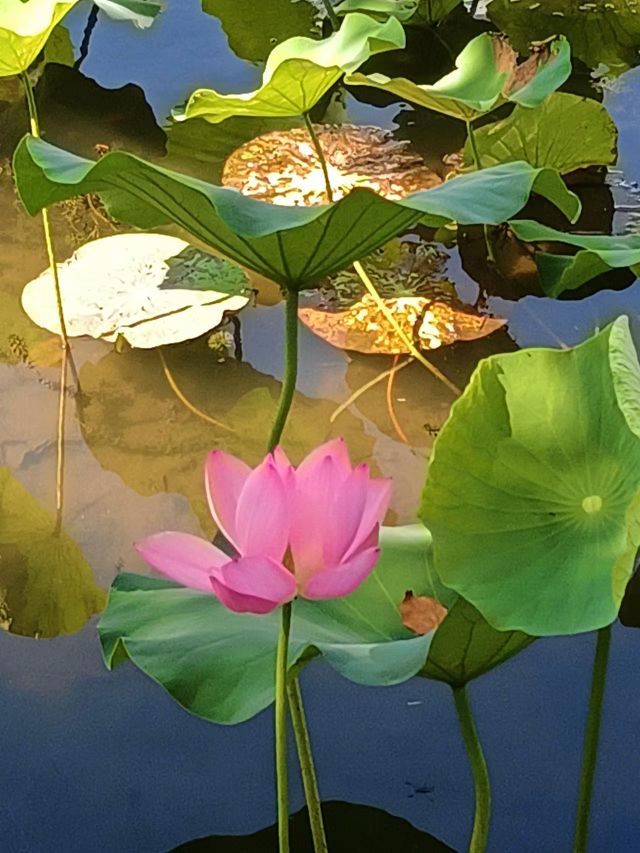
[485, 76]
[300, 70]
[141, 13]
[465, 646]
[290, 245]
[253, 38]
[220, 665]
[603, 32]
[598, 254]
[565, 132]
[533, 491]
[408, 11]
[24, 30]
[46, 586]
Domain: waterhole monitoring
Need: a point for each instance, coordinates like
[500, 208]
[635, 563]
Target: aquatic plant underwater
[530, 511]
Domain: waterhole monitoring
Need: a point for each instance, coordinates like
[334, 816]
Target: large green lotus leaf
[532, 491]
[599, 32]
[290, 245]
[566, 133]
[46, 586]
[465, 646]
[252, 37]
[300, 70]
[481, 81]
[24, 30]
[220, 665]
[599, 254]
[141, 13]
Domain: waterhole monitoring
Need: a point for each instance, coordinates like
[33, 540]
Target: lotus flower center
[592, 504]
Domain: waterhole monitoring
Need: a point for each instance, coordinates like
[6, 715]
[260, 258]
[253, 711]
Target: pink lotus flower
[310, 531]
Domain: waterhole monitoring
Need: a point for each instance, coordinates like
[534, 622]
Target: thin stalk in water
[331, 14]
[471, 136]
[282, 780]
[481, 783]
[320, 153]
[309, 779]
[591, 738]
[64, 340]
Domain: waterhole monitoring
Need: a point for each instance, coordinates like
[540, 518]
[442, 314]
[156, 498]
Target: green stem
[591, 737]
[309, 779]
[477, 161]
[320, 154]
[290, 367]
[281, 730]
[331, 14]
[64, 340]
[479, 770]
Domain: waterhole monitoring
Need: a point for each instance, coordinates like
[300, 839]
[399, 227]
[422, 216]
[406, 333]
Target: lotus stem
[290, 367]
[67, 357]
[321, 157]
[591, 738]
[390, 407]
[307, 769]
[481, 782]
[281, 730]
[406, 340]
[185, 402]
[331, 14]
[364, 388]
[471, 136]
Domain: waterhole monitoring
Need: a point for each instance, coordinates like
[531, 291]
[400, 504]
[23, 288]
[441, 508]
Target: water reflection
[350, 828]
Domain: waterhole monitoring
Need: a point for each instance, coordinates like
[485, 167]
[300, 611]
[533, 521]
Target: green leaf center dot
[592, 504]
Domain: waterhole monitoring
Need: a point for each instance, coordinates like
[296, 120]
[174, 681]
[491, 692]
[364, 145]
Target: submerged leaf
[300, 70]
[290, 245]
[486, 75]
[566, 133]
[24, 30]
[150, 289]
[533, 491]
[46, 586]
[598, 253]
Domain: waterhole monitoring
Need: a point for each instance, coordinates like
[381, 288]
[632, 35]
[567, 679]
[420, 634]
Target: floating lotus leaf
[430, 322]
[486, 75]
[282, 166]
[253, 38]
[533, 491]
[565, 132]
[46, 586]
[141, 13]
[300, 70]
[290, 245]
[599, 253]
[602, 31]
[150, 289]
[24, 30]
[219, 665]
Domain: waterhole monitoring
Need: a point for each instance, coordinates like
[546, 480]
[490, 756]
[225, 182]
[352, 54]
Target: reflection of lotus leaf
[282, 166]
[533, 491]
[150, 289]
[603, 31]
[137, 428]
[46, 586]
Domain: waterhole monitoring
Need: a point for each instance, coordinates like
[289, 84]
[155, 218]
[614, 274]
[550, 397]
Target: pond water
[98, 761]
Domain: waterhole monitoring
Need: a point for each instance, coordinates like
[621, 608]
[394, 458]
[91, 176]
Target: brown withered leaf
[526, 71]
[430, 322]
[505, 56]
[421, 613]
[282, 166]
